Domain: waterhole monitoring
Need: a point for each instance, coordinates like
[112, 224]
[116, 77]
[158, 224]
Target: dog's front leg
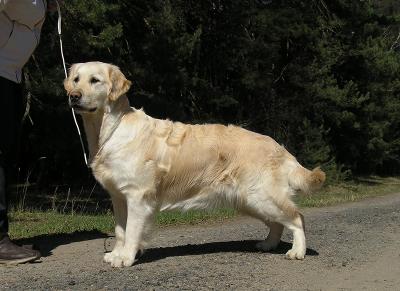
[140, 216]
[120, 216]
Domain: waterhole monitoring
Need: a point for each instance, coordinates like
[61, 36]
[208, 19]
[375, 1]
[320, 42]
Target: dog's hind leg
[292, 219]
[283, 212]
[140, 216]
[120, 216]
[296, 225]
[273, 239]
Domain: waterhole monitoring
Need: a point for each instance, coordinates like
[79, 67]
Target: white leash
[66, 76]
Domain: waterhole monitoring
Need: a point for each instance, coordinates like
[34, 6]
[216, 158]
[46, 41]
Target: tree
[320, 77]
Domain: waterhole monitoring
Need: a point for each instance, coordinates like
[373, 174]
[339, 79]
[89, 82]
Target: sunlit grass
[350, 191]
[25, 224]
[29, 223]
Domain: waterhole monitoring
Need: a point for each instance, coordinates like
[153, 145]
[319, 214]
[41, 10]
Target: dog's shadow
[48, 242]
[249, 246]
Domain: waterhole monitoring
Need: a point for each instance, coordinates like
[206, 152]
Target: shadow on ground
[47, 243]
[155, 254]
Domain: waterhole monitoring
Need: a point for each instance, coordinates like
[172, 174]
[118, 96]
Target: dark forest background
[321, 77]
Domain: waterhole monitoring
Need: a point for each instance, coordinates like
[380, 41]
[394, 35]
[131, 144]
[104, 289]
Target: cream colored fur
[148, 165]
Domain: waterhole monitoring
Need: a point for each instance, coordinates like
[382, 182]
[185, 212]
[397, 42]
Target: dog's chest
[104, 174]
[118, 172]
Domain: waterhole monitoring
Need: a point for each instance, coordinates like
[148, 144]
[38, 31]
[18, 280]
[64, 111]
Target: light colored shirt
[20, 25]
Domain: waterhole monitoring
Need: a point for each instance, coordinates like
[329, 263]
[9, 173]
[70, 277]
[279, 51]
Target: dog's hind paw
[293, 254]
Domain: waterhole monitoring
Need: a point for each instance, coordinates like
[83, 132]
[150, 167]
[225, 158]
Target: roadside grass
[350, 191]
[25, 223]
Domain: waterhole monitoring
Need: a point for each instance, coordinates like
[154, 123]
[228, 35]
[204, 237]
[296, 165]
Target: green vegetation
[193, 217]
[26, 224]
[33, 223]
[350, 191]
[321, 77]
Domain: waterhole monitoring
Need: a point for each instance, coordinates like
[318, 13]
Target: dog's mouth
[83, 109]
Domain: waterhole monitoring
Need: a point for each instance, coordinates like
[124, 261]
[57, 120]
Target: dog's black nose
[74, 97]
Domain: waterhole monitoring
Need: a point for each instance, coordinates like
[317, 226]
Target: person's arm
[20, 40]
[3, 4]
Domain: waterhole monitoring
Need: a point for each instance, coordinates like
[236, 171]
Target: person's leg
[7, 137]
[3, 203]
[10, 117]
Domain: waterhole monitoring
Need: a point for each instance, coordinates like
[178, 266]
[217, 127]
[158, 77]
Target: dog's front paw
[116, 262]
[128, 261]
[294, 254]
[121, 260]
[108, 257]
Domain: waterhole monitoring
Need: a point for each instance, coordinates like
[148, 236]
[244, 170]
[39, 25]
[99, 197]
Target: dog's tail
[306, 181]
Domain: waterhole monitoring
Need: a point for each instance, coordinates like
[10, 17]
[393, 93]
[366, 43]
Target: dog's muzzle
[74, 98]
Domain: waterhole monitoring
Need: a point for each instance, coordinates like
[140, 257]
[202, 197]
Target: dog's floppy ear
[119, 84]
[68, 81]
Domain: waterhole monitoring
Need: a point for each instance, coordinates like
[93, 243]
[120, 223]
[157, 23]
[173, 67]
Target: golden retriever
[148, 165]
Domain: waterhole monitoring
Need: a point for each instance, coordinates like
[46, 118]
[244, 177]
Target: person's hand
[52, 5]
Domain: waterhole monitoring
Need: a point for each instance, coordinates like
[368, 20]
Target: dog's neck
[100, 126]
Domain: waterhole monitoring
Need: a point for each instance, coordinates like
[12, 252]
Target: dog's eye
[76, 79]
[94, 80]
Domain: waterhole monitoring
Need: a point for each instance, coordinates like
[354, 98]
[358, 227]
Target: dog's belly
[209, 198]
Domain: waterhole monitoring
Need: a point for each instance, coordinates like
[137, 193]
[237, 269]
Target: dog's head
[90, 86]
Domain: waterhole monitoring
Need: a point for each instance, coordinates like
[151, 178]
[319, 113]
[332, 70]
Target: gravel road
[354, 246]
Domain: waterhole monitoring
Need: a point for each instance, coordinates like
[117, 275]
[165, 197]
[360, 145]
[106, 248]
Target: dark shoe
[29, 247]
[10, 253]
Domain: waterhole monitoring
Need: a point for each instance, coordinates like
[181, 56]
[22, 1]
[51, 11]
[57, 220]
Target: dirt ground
[354, 246]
